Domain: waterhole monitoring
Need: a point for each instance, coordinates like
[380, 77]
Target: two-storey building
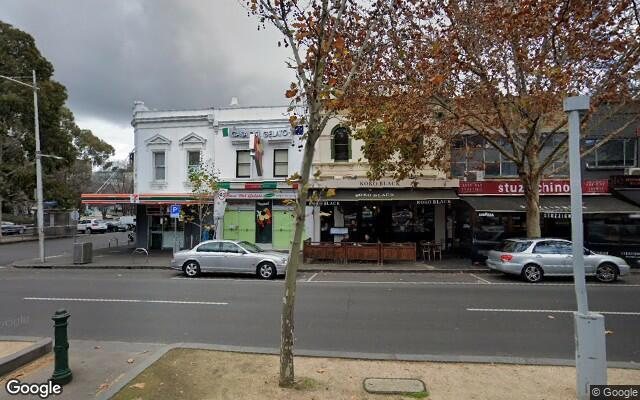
[352, 207]
[170, 143]
[494, 208]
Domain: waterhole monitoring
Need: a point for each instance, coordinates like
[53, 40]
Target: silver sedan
[230, 256]
[534, 258]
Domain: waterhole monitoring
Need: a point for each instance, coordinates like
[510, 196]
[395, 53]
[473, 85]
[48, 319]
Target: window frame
[155, 167]
[248, 152]
[625, 142]
[197, 166]
[346, 145]
[280, 163]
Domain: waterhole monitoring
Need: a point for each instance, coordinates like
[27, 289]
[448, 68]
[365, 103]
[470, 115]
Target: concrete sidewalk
[95, 365]
[123, 258]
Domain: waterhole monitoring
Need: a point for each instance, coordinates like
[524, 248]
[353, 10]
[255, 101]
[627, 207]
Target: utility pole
[40, 212]
[38, 172]
[591, 358]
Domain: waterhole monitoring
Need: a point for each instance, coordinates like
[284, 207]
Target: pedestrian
[205, 233]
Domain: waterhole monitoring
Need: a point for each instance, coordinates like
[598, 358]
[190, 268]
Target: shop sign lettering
[375, 195]
[381, 183]
[556, 186]
[433, 202]
[263, 133]
[557, 215]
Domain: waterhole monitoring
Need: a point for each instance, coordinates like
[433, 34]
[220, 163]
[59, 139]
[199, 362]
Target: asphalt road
[11, 252]
[435, 314]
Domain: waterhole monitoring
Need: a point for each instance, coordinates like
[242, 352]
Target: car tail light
[506, 257]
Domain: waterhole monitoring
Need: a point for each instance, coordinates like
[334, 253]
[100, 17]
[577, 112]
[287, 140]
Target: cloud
[170, 54]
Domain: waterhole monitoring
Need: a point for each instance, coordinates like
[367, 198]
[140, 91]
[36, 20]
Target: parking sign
[174, 211]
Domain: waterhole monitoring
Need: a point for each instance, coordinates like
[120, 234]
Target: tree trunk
[531, 185]
[287, 376]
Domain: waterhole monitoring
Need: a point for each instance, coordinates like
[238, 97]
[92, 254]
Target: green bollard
[61, 372]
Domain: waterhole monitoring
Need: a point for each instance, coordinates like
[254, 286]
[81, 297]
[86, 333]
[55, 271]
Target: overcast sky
[171, 54]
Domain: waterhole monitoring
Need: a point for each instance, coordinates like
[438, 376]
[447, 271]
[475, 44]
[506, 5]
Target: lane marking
[205, 279]
[312, 276]
[550, 311]
[473, 283]
[210, 303]
[480, 279]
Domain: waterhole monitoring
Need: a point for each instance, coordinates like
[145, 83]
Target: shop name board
[329, 203]
[260, 195]
[547, 187]
[375, 195]
[557, 215]
[262, 133]
[383, 183]
[430, 202]
[624, 181]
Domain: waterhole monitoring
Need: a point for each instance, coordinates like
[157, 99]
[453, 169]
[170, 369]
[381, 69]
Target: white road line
[532, 285]
[550, 311]
[229, 279]
[312, 276]
[210, 303]
[480, 279]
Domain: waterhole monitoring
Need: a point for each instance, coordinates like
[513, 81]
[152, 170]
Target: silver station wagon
[534, 258]
[230, 256]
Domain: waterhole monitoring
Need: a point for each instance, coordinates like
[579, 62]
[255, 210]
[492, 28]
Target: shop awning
[604, 204]
[432, 196]
[633, 195]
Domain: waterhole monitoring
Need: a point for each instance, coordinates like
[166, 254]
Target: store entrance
[402, 221]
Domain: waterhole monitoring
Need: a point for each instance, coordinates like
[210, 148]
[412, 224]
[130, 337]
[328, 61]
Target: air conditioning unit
[632, 171]
[474, 176]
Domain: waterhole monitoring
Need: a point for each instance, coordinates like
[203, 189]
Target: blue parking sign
[174, 211]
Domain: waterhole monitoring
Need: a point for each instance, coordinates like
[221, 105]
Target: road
[11, 252]
[429, 314]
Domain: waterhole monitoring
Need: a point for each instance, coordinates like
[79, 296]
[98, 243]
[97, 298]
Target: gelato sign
[262, 133]
[547, 187]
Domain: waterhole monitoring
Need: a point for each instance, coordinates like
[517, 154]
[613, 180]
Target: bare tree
[327, 39]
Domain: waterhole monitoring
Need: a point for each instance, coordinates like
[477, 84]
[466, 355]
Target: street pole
[38, 172]
[591, 359]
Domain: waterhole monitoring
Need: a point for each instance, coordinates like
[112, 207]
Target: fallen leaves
[551, 317]
[139, 385]
[130, 361]
[608, 332]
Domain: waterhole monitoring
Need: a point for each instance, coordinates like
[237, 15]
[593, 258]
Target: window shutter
[333, 148]
[349, 147]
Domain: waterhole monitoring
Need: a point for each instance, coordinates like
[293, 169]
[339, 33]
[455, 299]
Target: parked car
[91, 225]
[535, 258]
[115, 225]
[230, 256]
[10, 228]
[484, 241]
[129, 220]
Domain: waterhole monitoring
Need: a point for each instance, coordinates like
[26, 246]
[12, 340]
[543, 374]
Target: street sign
[174, 211]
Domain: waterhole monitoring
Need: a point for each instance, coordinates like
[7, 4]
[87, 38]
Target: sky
[171, 54]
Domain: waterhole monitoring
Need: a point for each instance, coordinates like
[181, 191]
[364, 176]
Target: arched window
[340, 144]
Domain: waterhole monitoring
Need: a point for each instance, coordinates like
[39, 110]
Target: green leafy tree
[59, 135]
[204, 185]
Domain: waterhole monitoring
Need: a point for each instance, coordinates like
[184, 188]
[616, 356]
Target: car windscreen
[250, 247]
[513, 246]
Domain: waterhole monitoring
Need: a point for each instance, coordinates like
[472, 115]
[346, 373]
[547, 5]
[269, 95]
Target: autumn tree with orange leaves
[498, 70]
[327, 38]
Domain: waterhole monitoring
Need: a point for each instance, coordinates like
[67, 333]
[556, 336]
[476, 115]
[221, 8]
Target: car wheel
[191, 269]
[607, 272]
[266, 271]
[532, 273]
[87, 231]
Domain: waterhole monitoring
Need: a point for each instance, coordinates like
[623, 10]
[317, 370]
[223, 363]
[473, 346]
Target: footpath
[124, 258]
[126, 371]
